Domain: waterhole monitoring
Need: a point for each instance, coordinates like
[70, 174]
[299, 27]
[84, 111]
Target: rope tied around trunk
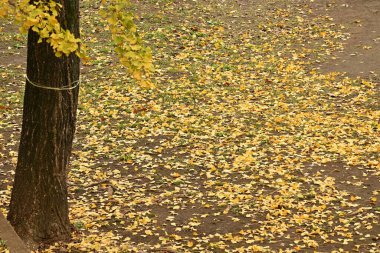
[71, 86]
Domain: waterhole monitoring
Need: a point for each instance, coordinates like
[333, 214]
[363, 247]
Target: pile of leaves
[244, 146]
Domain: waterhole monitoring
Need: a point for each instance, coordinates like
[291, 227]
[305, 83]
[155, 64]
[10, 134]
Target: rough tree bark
[39, 206]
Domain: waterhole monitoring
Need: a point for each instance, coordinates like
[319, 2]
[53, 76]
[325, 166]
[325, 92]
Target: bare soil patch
[361, 18]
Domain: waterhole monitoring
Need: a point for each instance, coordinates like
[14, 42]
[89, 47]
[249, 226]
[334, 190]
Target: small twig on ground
[97, 183]
[90, 185]
[102, 182]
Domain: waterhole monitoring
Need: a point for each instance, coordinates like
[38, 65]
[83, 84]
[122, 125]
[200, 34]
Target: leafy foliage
[42, 17]
[129, 47]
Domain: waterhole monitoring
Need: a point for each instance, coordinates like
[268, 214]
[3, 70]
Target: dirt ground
[360, 57]
[361, 18]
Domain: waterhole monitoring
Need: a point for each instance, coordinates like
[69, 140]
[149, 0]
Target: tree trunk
[39, 206]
